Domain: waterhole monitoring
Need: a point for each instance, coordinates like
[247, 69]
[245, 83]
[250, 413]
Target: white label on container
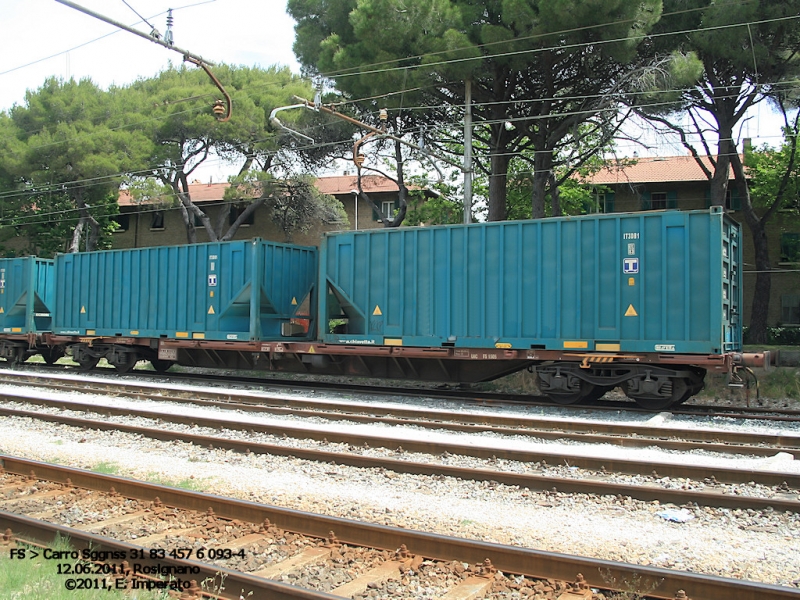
[630, 265]
[212, 280]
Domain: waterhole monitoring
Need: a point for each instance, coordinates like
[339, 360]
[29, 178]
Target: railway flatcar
[647, 302]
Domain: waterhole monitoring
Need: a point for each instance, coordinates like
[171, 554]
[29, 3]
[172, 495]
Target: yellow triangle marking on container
[377, 311]
[294, 301]
[83, 310]
[1, 310]
[311, 350]
[631, 312]
[211, 309]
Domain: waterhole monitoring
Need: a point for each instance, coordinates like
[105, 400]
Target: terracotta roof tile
[336, 185]
[653, 170]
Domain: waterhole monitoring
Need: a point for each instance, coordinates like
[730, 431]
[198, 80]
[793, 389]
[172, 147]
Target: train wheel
[129, 361]
[566, 399]
[89, 363]
[598, 392]
[51, 355]
[20, 356]
[161, 366]
[681, 390]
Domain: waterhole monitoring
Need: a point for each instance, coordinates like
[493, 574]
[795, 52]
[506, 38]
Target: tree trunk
[763, 286]
[542, 174]
[75, 244]
[498, 178]
[761, 293]
[555, 196]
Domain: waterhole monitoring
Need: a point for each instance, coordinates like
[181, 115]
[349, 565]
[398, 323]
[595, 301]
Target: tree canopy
[537, 69]
[68, 143]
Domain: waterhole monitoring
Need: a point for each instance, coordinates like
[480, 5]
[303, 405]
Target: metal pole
[468, 152]
[139, 33]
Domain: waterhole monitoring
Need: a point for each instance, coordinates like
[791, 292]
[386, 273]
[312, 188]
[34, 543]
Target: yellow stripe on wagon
[607, 347]
[392, 341]
[578, 344]
[181, 334]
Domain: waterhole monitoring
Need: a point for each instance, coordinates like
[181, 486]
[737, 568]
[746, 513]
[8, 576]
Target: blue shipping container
[654, 281]
[26, 294]
[239, 290]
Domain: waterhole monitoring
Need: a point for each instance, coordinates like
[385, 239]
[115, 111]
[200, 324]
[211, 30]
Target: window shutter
[609, 202]
[672, 199]
[736, 201]
[646, 203]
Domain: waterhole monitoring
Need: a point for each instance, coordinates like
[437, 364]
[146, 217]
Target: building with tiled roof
[160, 223]
[656, 183]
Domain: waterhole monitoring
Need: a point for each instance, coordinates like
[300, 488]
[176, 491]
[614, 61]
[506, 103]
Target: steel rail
[625, 439]
[531, 481]
[636, 435]
[478, 398]
[239, 584]
[659, 583]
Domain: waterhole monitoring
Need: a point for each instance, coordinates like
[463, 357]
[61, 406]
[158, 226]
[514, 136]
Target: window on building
[659, 200]
[790, 247]
[238, 209]
[157, 221]
[387, 210]
[732, 201]
[604, 202]
[123, 223]
[790, 309]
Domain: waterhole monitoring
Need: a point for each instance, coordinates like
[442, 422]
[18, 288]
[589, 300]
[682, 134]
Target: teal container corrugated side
[655, 281]
[239, 290]
[26, 294]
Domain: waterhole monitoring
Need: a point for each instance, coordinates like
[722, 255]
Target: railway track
[621, 434]
[154, 522]
[465, 395]
[395, 451]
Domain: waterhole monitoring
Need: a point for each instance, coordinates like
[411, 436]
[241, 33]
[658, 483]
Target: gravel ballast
[756, 545]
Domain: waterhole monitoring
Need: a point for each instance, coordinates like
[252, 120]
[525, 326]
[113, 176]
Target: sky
[43, 38]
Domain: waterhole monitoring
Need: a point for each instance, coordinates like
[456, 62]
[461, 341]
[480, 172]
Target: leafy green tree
[184, 133]
[774, 184]
[749, 53]
[69, 144]
[541, 66]
[295, 204]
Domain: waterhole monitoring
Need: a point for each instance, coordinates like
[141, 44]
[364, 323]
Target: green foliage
[777, 336]
[294, 204]
[775, 174]
[65, 155]
[439, 210]
[48, 221]
[544, 66]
